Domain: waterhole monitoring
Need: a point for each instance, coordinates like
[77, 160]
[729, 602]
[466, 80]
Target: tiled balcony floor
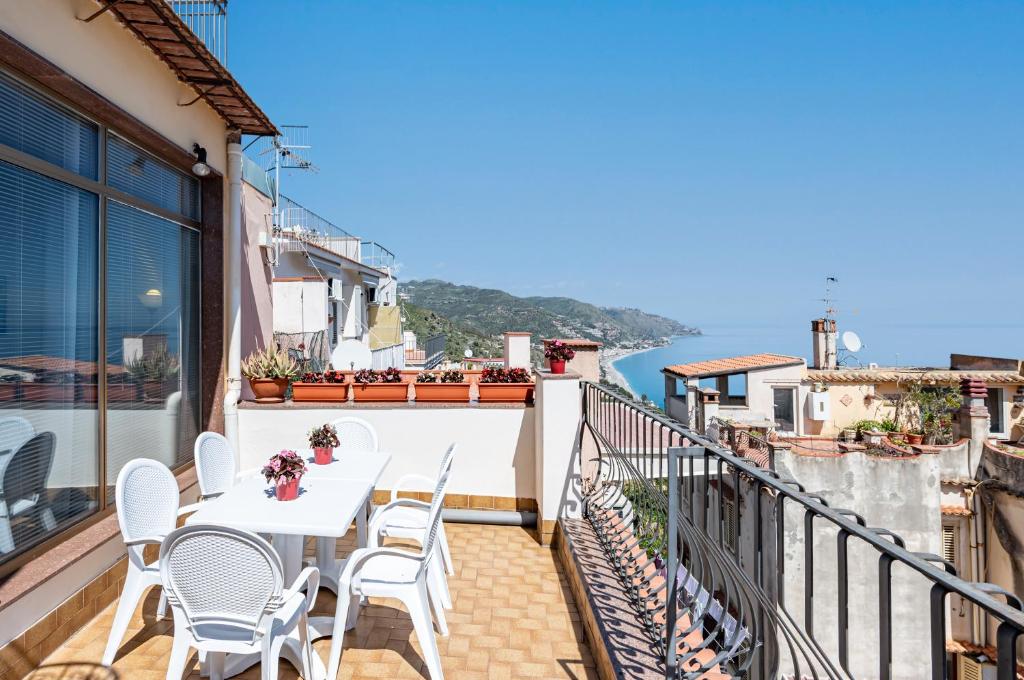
[513, 617]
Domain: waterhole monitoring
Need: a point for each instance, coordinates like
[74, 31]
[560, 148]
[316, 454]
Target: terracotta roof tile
[927, 375]
[956, 510]
[576, 342]
[715, 367]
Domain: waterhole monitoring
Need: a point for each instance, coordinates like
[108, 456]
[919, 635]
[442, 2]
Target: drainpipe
[233, 290]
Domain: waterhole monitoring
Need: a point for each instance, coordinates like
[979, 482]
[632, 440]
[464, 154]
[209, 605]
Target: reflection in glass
[48, 358]
[152, 341]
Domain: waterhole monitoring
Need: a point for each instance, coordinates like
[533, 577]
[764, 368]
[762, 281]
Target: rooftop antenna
[288, 150]
[830, 310]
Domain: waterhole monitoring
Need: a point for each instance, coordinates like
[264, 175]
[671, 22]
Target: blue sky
[707, 161]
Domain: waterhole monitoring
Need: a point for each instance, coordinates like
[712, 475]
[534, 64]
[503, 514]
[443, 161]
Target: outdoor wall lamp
[200, 168]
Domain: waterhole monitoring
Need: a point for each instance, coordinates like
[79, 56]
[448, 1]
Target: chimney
[823, 343]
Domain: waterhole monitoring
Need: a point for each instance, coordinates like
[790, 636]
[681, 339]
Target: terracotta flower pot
[913, 438]
[121, 392]
[269, 390]
[557, 366]
[287, 489]
[323, 455]
[319, 391]
[508, 392]
[452, 392]
[381, 391]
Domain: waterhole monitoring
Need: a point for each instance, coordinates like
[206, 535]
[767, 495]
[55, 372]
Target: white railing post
[557, 412]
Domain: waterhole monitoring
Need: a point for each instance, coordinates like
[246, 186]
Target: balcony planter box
[507, 392]
[268, 390]
[381, 391]
[302, 391]
[59, 392]
[438, 391]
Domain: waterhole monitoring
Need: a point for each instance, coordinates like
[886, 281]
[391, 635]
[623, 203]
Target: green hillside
[488, 313]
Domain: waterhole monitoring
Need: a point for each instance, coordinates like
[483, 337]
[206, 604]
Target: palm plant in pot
[323, 440]
[505, 384]
[557, 353]
[285, 471]
[386, 385]
[157, 372]
[268, 372]
[323, 386]
[448, 385]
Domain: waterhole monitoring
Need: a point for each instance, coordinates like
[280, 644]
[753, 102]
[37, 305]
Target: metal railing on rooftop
[377, 256]
[301, 226]
[208, 20]
[433, 350]
[702, 540]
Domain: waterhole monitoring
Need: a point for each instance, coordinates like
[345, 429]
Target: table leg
[361, 520]
[329, 566]
[289, 548]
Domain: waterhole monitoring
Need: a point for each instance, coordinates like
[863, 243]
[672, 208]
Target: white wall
[495, 455]
[300, 306]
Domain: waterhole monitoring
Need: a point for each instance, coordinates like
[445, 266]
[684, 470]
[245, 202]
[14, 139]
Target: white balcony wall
[300, 306]
[496, 454]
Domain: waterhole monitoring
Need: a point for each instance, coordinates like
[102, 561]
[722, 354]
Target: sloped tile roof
[926, 375]
[715, 367]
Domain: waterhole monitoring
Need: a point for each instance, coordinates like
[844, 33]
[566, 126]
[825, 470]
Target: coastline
[609, 357]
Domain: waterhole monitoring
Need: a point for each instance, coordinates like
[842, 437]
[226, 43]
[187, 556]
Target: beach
[608, 357]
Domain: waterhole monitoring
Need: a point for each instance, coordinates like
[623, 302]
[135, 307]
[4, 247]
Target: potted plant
[285, 470]
[557, 353]
[386, 385]
[928, 412]
[505, 384]
[322, 440]
[154, 371]
[268, 372]
[448, 385]
[324, 386]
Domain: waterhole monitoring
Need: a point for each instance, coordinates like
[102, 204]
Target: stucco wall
[901, 495]
[495, 455]
[257, 274]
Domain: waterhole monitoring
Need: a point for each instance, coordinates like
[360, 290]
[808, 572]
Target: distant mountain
[488, 313]
[425, 323]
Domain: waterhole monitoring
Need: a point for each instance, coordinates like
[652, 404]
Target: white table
[361, 466]
[325, 507]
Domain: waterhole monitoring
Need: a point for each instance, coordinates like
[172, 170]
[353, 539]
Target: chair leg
[307, 648]
[446, 553]
[341, 617]
[161, 606]
[434, 592]
[271, 657]
[437, 569]
[132, 592]
[216, 665]
[419, 610]
[179, 651]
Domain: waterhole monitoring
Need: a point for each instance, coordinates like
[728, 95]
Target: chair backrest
[215, 464]
[221, 578]
[28, 469]
[355, 435]
[434, 516]
[147, 499]
[446, 460]
[14, 431]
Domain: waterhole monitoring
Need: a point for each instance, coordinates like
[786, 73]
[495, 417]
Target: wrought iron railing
[208, 19]
[433, 350]
[718, 555]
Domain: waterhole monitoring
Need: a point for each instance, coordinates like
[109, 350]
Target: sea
[885, 344]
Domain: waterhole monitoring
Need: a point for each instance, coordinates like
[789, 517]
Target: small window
[784, 400]
[951, 544]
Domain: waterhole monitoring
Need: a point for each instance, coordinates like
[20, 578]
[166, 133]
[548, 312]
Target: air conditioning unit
[969, 668]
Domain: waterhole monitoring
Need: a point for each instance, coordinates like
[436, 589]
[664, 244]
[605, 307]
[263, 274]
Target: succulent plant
[268, 363]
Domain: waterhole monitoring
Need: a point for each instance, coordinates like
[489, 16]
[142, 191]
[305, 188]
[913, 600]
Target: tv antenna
[830, 310]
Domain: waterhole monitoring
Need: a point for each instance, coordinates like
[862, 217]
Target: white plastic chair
[216, 469]
[23, 490]
[226, 587]
[355, 435]
[146, 495]
[407, 518]
[400, 574]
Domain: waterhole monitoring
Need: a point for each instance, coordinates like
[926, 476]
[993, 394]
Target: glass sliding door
[49, 460]
[784, 399]
[152, 339]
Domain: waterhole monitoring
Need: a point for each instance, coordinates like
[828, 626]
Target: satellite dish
[468, 353]
[851, 341]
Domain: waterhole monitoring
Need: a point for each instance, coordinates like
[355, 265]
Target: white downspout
[233, 291]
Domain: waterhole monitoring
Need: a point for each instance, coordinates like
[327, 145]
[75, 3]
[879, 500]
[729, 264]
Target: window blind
[37, 126]
[135, 172]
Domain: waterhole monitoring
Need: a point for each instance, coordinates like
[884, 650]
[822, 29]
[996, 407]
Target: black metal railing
[707, 543]
[433, 350]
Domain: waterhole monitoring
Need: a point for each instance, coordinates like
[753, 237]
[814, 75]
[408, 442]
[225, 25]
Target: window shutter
[950, 543]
